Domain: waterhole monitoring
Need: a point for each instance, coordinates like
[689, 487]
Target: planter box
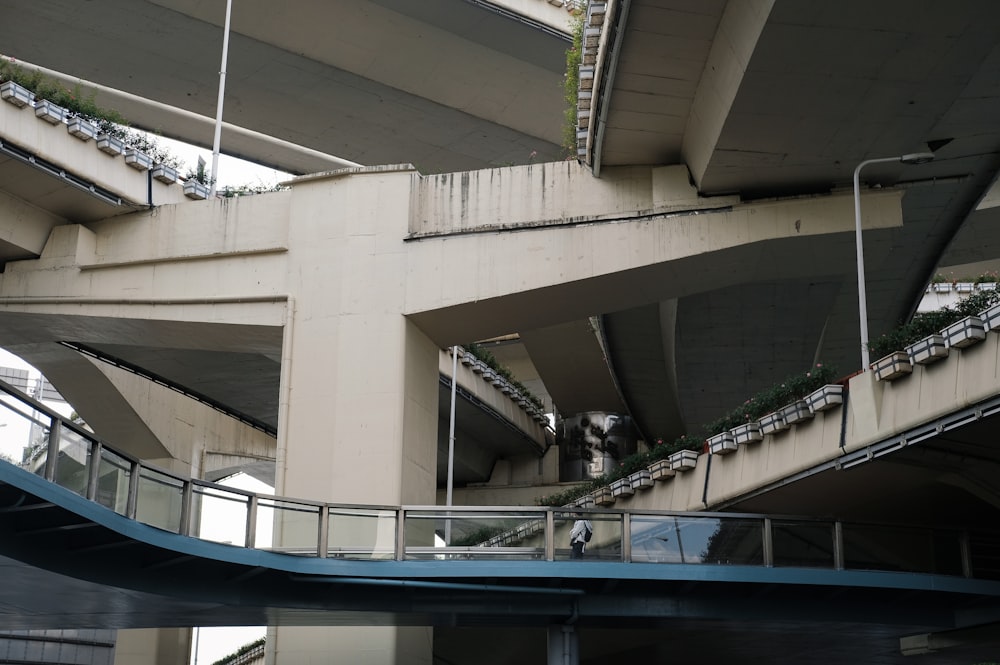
[797, 412]
[966, 332]
[772, 423]
[603, 497]
[987, 286]
[965, 287]
[747, 433]
[138, 160]
[199, 192]
[15, 94]
[661, 470]
[991, 318]
[825, 398]
[892, 366]
[641, 479]
[683, 460]
[722, 444]
[942, 287]
[49, 112]
[621, 487]
[82, 129]
[165, 174]
[111, 145]
[585, 501]
[928, 350]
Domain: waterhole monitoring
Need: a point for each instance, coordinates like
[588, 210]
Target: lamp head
[917, 158]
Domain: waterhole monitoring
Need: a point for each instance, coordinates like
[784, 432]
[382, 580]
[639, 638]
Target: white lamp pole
[217, 140]
[913, 158]
[451, 443]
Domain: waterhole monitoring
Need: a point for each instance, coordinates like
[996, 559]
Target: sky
[233, 172]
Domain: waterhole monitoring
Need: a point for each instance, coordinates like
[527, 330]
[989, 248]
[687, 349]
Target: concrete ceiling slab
[443, 84]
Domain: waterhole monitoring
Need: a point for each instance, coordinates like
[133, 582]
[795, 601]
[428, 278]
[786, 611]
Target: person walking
[579, 536]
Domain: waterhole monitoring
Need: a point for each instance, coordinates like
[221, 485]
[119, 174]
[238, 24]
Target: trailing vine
[571, 84]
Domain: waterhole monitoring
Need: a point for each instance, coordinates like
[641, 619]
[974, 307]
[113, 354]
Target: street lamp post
[912, 158]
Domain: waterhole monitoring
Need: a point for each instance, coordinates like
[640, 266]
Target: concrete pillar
[153, 646]
[358, 404]
[563, 645]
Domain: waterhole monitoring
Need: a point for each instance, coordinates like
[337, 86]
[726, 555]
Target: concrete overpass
[706, 86]
[446, 85]
[656, 318]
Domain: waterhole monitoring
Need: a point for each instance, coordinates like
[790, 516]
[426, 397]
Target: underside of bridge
[760, 100]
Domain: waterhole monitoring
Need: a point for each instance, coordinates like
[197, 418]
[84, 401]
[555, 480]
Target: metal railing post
[324, 531]
[93, 470]
[187, 492]
[131, 504]
[251, 530]
[966, 554]
[400, 533]
[768, 543]
[838, 545]
[52, 456]
[550, 534]
[626, 537]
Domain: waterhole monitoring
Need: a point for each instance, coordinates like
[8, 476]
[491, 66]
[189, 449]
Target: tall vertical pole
[222, 94]
[862, 298]
[911, 158]
[451, 442]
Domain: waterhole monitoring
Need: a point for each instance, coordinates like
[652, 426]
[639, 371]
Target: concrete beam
[741, 26]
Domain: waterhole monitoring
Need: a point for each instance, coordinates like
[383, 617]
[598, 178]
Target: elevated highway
[755, 99]
[447, 85]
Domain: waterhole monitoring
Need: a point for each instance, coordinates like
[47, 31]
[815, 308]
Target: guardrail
[70, 456]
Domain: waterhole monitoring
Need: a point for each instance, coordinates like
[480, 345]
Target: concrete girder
[24, 228]
[732, 49]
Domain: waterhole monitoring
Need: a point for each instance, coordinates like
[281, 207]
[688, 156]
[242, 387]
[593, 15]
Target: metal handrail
[524, 531]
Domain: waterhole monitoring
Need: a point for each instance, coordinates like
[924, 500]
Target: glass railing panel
[160, 500]
[605, 541]
[704, 540]
[112, 481]
[74, 457]
[23, 425]
[287, 526]
[904, 549]
[803, 544]
[361, 533]
[475, 534]
[220, 514]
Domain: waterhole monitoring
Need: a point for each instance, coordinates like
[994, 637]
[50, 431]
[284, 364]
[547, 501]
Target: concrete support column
[563, 645]
[153, 646]
[358, 414]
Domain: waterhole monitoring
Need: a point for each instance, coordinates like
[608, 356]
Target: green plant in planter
[246, 648]
[109, 121]
[571, 83]
[788, 391]
[927, 323]
[486, 357]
